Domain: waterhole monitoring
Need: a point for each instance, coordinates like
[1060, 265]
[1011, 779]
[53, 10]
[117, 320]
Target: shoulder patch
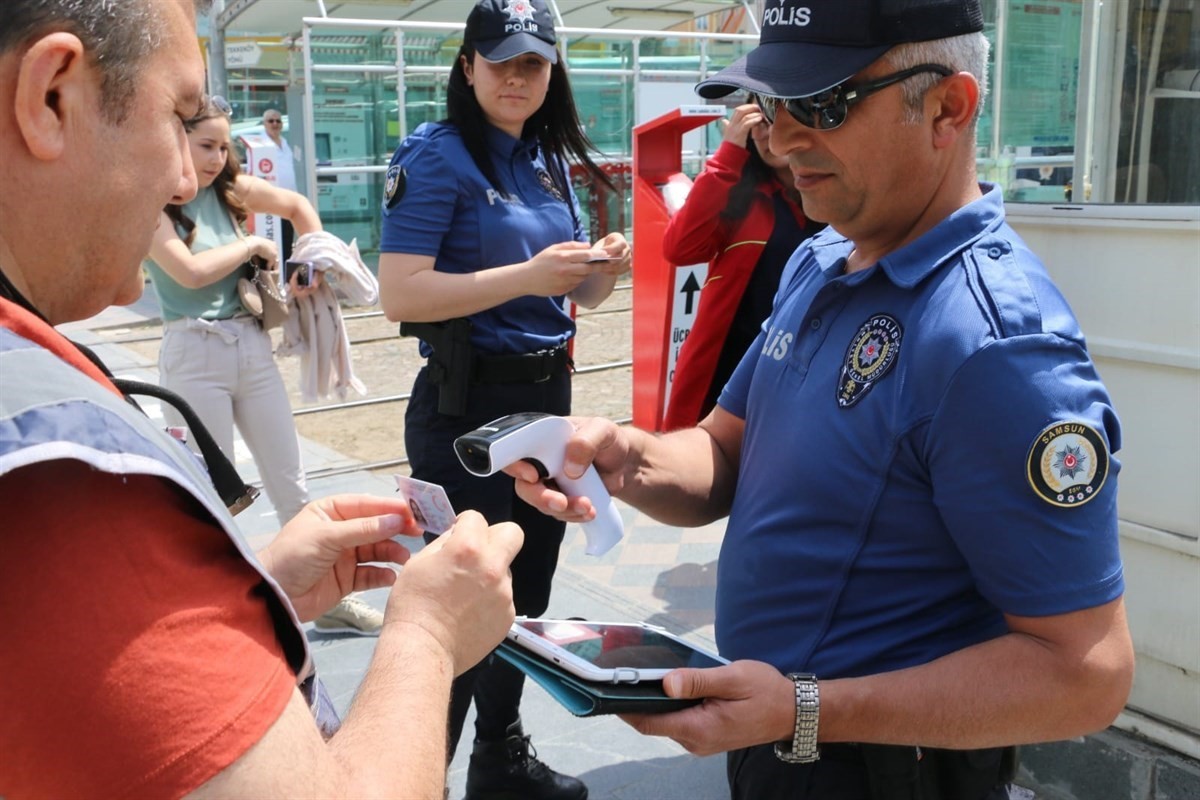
[394, 184]
[1068, 464]
[872, 354]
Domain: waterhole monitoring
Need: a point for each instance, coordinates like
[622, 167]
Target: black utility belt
[520, 367]
[455, 365]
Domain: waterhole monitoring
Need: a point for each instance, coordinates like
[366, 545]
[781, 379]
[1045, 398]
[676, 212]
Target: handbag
[261, 296]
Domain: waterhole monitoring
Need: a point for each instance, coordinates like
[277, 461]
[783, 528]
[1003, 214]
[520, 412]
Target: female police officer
[481, 242]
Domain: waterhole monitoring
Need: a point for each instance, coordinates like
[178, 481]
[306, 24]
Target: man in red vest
[147, 653]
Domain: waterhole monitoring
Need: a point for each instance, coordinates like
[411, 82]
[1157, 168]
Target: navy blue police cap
[504, 29]
[808, 46]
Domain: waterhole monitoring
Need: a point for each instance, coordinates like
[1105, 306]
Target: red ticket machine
[664, 295]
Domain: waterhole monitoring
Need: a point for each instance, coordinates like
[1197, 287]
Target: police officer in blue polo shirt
[921, 564]
[482, 243]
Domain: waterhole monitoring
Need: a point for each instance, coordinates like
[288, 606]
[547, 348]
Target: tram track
[369, 431]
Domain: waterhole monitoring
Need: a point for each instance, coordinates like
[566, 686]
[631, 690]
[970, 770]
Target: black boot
[509, 770]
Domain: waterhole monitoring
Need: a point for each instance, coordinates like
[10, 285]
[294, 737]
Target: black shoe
[509, 770]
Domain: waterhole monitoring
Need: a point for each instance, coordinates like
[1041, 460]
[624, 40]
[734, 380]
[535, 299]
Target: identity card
[428, 502]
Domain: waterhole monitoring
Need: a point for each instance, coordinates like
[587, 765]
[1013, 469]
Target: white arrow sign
[684, 303]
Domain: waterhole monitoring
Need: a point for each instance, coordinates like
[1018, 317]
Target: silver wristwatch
[802, 749]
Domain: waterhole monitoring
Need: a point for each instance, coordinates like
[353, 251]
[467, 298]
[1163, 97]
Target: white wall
[1134, 283]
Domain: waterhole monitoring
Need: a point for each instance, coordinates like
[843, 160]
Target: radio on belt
[541, 439]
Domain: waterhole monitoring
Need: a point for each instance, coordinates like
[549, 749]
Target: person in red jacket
[744, 217]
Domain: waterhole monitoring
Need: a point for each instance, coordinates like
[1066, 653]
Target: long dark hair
[556, 125]
[224, 183]
[754, 174]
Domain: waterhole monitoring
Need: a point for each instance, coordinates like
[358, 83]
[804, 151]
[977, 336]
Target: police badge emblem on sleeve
[1068, 464]
[393, 185]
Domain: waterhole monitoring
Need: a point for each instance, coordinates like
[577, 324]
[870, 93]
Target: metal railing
[403, 70]
[386, 399]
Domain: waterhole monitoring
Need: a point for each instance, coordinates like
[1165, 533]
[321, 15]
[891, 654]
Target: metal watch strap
[802, 749]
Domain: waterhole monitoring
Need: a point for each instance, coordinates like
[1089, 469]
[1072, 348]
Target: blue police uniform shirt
[926, 448]
[448, 210]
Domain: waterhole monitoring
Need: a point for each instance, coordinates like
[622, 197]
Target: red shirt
[139, 656]
[696, 233]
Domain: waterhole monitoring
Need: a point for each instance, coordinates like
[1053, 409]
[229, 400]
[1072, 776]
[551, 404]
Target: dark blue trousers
[494, 685]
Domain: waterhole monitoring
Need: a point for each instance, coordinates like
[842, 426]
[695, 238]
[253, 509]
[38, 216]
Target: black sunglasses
[827, 110]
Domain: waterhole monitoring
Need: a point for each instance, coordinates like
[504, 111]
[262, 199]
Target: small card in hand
[428, 502]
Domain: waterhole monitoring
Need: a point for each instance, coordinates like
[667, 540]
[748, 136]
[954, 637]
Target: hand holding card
[429, 503]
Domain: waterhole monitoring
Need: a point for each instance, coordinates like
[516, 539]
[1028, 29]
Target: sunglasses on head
[827, 110]
[221, 104]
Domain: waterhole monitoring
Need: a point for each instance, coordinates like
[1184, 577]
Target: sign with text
[684, 301]
[239, 55]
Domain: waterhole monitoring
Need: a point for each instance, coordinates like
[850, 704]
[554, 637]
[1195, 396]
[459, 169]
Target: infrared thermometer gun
[541, 439]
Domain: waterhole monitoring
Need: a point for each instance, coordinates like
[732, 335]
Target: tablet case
[585, 698]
